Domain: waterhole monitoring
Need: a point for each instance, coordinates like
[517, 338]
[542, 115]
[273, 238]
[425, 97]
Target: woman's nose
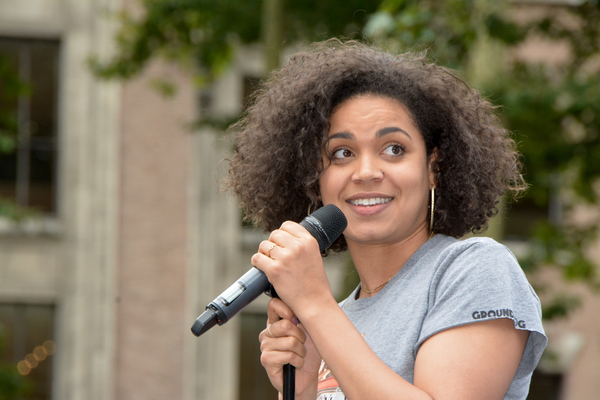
[367, 170]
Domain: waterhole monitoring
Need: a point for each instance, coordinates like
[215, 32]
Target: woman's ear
[432, 166]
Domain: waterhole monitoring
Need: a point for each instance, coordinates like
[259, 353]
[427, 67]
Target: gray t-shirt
[446, 283]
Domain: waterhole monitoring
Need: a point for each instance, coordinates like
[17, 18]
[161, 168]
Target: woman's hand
[286, 342]
[292, 261]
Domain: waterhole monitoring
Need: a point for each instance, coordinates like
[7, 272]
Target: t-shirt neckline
[354, 304]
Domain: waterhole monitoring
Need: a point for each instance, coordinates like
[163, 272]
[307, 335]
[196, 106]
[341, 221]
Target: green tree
[207, 31]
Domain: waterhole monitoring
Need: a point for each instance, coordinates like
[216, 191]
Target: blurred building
[97, 296]
[114, 271]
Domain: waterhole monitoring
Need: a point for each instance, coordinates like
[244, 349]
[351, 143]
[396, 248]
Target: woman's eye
[394, 150]
[340, 154]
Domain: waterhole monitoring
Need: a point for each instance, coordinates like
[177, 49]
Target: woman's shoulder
[479, 258]
[479, 274]
[479, 279]
[474, 247]
[474, 242]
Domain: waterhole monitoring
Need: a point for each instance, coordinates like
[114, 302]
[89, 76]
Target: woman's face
[376, 170]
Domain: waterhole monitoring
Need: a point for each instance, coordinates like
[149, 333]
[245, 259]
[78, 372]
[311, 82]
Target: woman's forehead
[381, 113]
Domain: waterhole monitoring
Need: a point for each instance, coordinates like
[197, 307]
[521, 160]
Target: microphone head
[326, 224]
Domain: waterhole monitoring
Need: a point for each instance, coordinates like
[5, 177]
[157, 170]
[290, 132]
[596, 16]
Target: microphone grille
[326, 224]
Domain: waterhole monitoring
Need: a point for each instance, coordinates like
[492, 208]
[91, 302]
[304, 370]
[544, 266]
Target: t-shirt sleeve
[481, 280]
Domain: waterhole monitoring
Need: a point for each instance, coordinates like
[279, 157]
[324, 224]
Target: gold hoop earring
[308, 209]
[432, 208]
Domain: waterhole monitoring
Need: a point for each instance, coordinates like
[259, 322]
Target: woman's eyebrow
[390, 129]
[341, 135]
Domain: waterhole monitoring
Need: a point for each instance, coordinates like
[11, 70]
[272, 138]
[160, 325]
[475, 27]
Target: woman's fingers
[281, 344]
[281, 336]
[265, 247]
[284, 341]
[293, 264]
[282, 328]
[281, 322]
[274, 360]
[287, 237]
[277, 310]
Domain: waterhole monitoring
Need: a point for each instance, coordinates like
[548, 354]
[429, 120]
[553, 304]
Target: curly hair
[278, 161]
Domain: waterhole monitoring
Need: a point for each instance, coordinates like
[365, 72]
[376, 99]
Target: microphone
[326, 224]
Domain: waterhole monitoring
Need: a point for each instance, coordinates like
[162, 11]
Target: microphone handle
[289, 382]
[289, 371]
[237, 296]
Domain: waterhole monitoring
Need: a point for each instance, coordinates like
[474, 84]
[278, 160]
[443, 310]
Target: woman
[414, 159]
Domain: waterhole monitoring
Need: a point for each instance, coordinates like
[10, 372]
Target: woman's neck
[378, 263]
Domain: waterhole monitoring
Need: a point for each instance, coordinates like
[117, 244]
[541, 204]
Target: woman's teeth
[370, 202]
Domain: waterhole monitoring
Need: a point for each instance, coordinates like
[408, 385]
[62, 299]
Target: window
[28, 172]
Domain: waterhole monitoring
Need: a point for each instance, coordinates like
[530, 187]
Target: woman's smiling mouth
[370, 202]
